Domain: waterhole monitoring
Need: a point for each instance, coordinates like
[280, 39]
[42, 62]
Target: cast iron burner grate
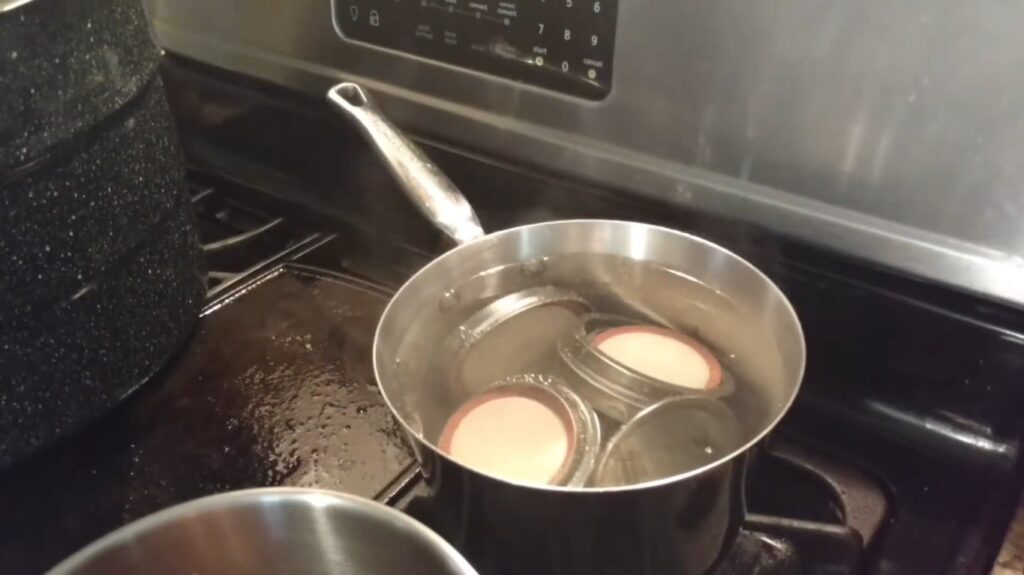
[760, 554]
[238, 238]
[807, 513]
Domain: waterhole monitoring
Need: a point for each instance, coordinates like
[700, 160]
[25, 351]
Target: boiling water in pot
[431, 361]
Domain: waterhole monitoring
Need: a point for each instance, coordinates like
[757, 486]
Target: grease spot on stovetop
[288, 366]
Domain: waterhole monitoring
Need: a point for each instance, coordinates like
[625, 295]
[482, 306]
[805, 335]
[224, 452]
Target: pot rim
[454, 252]
[12, 5]
[315, 497]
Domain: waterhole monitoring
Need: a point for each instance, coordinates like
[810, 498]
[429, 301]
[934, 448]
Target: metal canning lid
[578, 422]
[671, 437]
[514, 334]
[621, 391]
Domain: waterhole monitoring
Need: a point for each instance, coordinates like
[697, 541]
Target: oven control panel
[563, 45]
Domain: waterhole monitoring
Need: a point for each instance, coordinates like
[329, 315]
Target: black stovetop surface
[900, 455]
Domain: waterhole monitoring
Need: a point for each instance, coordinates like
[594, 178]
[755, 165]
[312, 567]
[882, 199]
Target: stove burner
[862, 504]
[239, 239]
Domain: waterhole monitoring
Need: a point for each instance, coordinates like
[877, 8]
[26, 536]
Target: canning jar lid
[671, 437]
[620, 390]
[514, 334]
[492, 438]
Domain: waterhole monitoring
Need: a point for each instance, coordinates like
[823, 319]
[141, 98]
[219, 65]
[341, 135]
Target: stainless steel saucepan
[676, 524]
[272, 531]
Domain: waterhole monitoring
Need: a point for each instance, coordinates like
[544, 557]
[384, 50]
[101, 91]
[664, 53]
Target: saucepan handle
[425, 184]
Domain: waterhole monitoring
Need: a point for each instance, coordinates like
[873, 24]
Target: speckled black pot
[71, 363]
[65, 223]
[65, 65]
[100, 283]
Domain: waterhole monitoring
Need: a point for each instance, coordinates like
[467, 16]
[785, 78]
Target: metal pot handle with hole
[422, 181]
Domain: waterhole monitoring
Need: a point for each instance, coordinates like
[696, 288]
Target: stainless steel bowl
[275, 531]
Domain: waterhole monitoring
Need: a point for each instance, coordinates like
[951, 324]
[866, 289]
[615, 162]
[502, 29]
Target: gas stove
[900, 456]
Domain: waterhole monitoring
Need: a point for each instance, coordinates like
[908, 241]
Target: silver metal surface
[426, 185]
[890, 131]
[509, 306]
[515, 334]
[673, 435]
[10, 5]
[765, 315]
[588, 432]
[421, 310]
[275, 531]
[746, 306]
